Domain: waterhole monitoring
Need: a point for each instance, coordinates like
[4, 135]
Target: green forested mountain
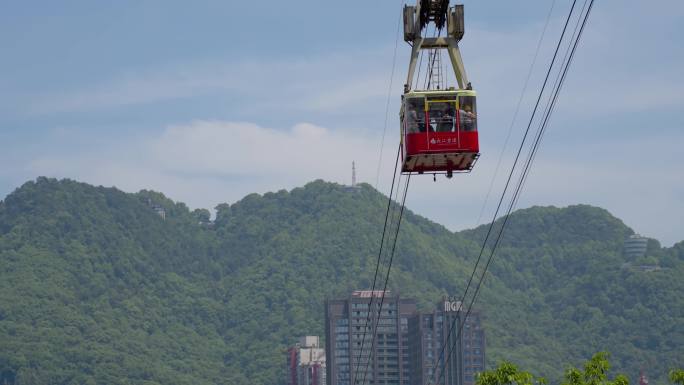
[96, 288]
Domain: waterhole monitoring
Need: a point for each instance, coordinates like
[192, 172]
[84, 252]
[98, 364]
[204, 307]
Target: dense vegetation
[95, 288]
[594, 372]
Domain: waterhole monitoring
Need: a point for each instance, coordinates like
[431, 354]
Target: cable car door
[442, 124]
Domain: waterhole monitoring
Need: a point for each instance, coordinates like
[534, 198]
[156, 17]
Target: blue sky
[209, 101]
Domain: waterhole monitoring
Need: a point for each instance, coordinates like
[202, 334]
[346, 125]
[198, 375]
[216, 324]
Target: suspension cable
[515, 114]
[420, 63]
[389, 268]
[388, 257]
[512, 171]
[431, 60]
[555, 92]
[552, 101]
[387, 104]
[556, 83]
[377, 265]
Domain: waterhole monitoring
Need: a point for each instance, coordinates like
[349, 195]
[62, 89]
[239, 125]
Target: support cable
[510, 175]
[387, 258]
[556, 84]
[387, 104]
[515, 114]
[432, 55]
[552, 101]
[377, 265]
[389, 268]
[546, 117]
[420, 63]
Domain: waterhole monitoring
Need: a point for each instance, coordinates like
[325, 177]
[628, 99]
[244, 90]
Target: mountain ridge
[174, 300]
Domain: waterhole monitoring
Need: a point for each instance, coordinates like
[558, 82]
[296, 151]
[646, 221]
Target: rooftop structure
[306, 362]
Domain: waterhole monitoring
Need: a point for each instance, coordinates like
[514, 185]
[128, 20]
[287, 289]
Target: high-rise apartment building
[386, 336]
[406, 344]
[306, 362]
[443, 356]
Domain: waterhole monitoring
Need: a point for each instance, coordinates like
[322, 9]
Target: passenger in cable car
[433, 114]
[412, 120]
[416, 116]
[441, 117]
[446, 122]
[467, 117]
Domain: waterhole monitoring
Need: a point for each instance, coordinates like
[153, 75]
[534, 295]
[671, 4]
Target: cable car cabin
[439, 131]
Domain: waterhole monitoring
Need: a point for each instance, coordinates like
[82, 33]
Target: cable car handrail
[456, 92]
[442, 100]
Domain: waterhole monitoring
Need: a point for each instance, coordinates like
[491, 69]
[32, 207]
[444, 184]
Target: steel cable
[512, 171]
[379, 258]
[565, 67]
[389, 268]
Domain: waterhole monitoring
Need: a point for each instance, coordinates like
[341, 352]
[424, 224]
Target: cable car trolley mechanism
[439, 121]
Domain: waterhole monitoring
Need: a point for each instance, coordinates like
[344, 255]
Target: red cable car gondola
[438, 127]
[439, 131]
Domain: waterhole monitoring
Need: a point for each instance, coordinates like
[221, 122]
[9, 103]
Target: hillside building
[157, 209]
[635, 246]
[306, 362]
[160, 211]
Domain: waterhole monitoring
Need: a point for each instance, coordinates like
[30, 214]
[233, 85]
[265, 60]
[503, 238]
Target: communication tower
[353, 175]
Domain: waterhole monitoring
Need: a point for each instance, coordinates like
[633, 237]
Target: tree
[508, 374]
[595, 373]
[677, 376]
[202, 215]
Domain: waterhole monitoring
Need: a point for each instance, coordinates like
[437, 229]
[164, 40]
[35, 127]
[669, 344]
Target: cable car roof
[452, 92]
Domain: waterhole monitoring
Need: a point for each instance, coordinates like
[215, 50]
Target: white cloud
[228, 148]
[204, 163]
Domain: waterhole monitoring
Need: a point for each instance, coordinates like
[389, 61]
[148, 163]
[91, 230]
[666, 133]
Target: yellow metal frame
[426, 94]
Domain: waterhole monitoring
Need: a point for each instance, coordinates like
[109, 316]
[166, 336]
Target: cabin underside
[440, 163]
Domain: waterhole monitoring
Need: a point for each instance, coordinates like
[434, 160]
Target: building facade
[445, 357]
[376, 353]
[406, 345]
[306, 362]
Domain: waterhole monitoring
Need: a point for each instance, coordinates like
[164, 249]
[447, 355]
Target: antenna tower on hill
[353, 174]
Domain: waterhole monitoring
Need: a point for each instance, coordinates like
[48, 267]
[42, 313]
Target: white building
[306, 362]
[635, 246]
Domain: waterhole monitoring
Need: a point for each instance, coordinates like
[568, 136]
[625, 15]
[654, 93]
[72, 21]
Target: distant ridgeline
[98, 286]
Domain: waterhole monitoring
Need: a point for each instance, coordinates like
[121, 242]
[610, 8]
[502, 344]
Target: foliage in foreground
[677, 376]
[508, 374]
[595, 372]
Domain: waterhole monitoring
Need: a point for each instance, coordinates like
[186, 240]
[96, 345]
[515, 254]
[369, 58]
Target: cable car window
[442, 116]
[467, 113]
[415, 115]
